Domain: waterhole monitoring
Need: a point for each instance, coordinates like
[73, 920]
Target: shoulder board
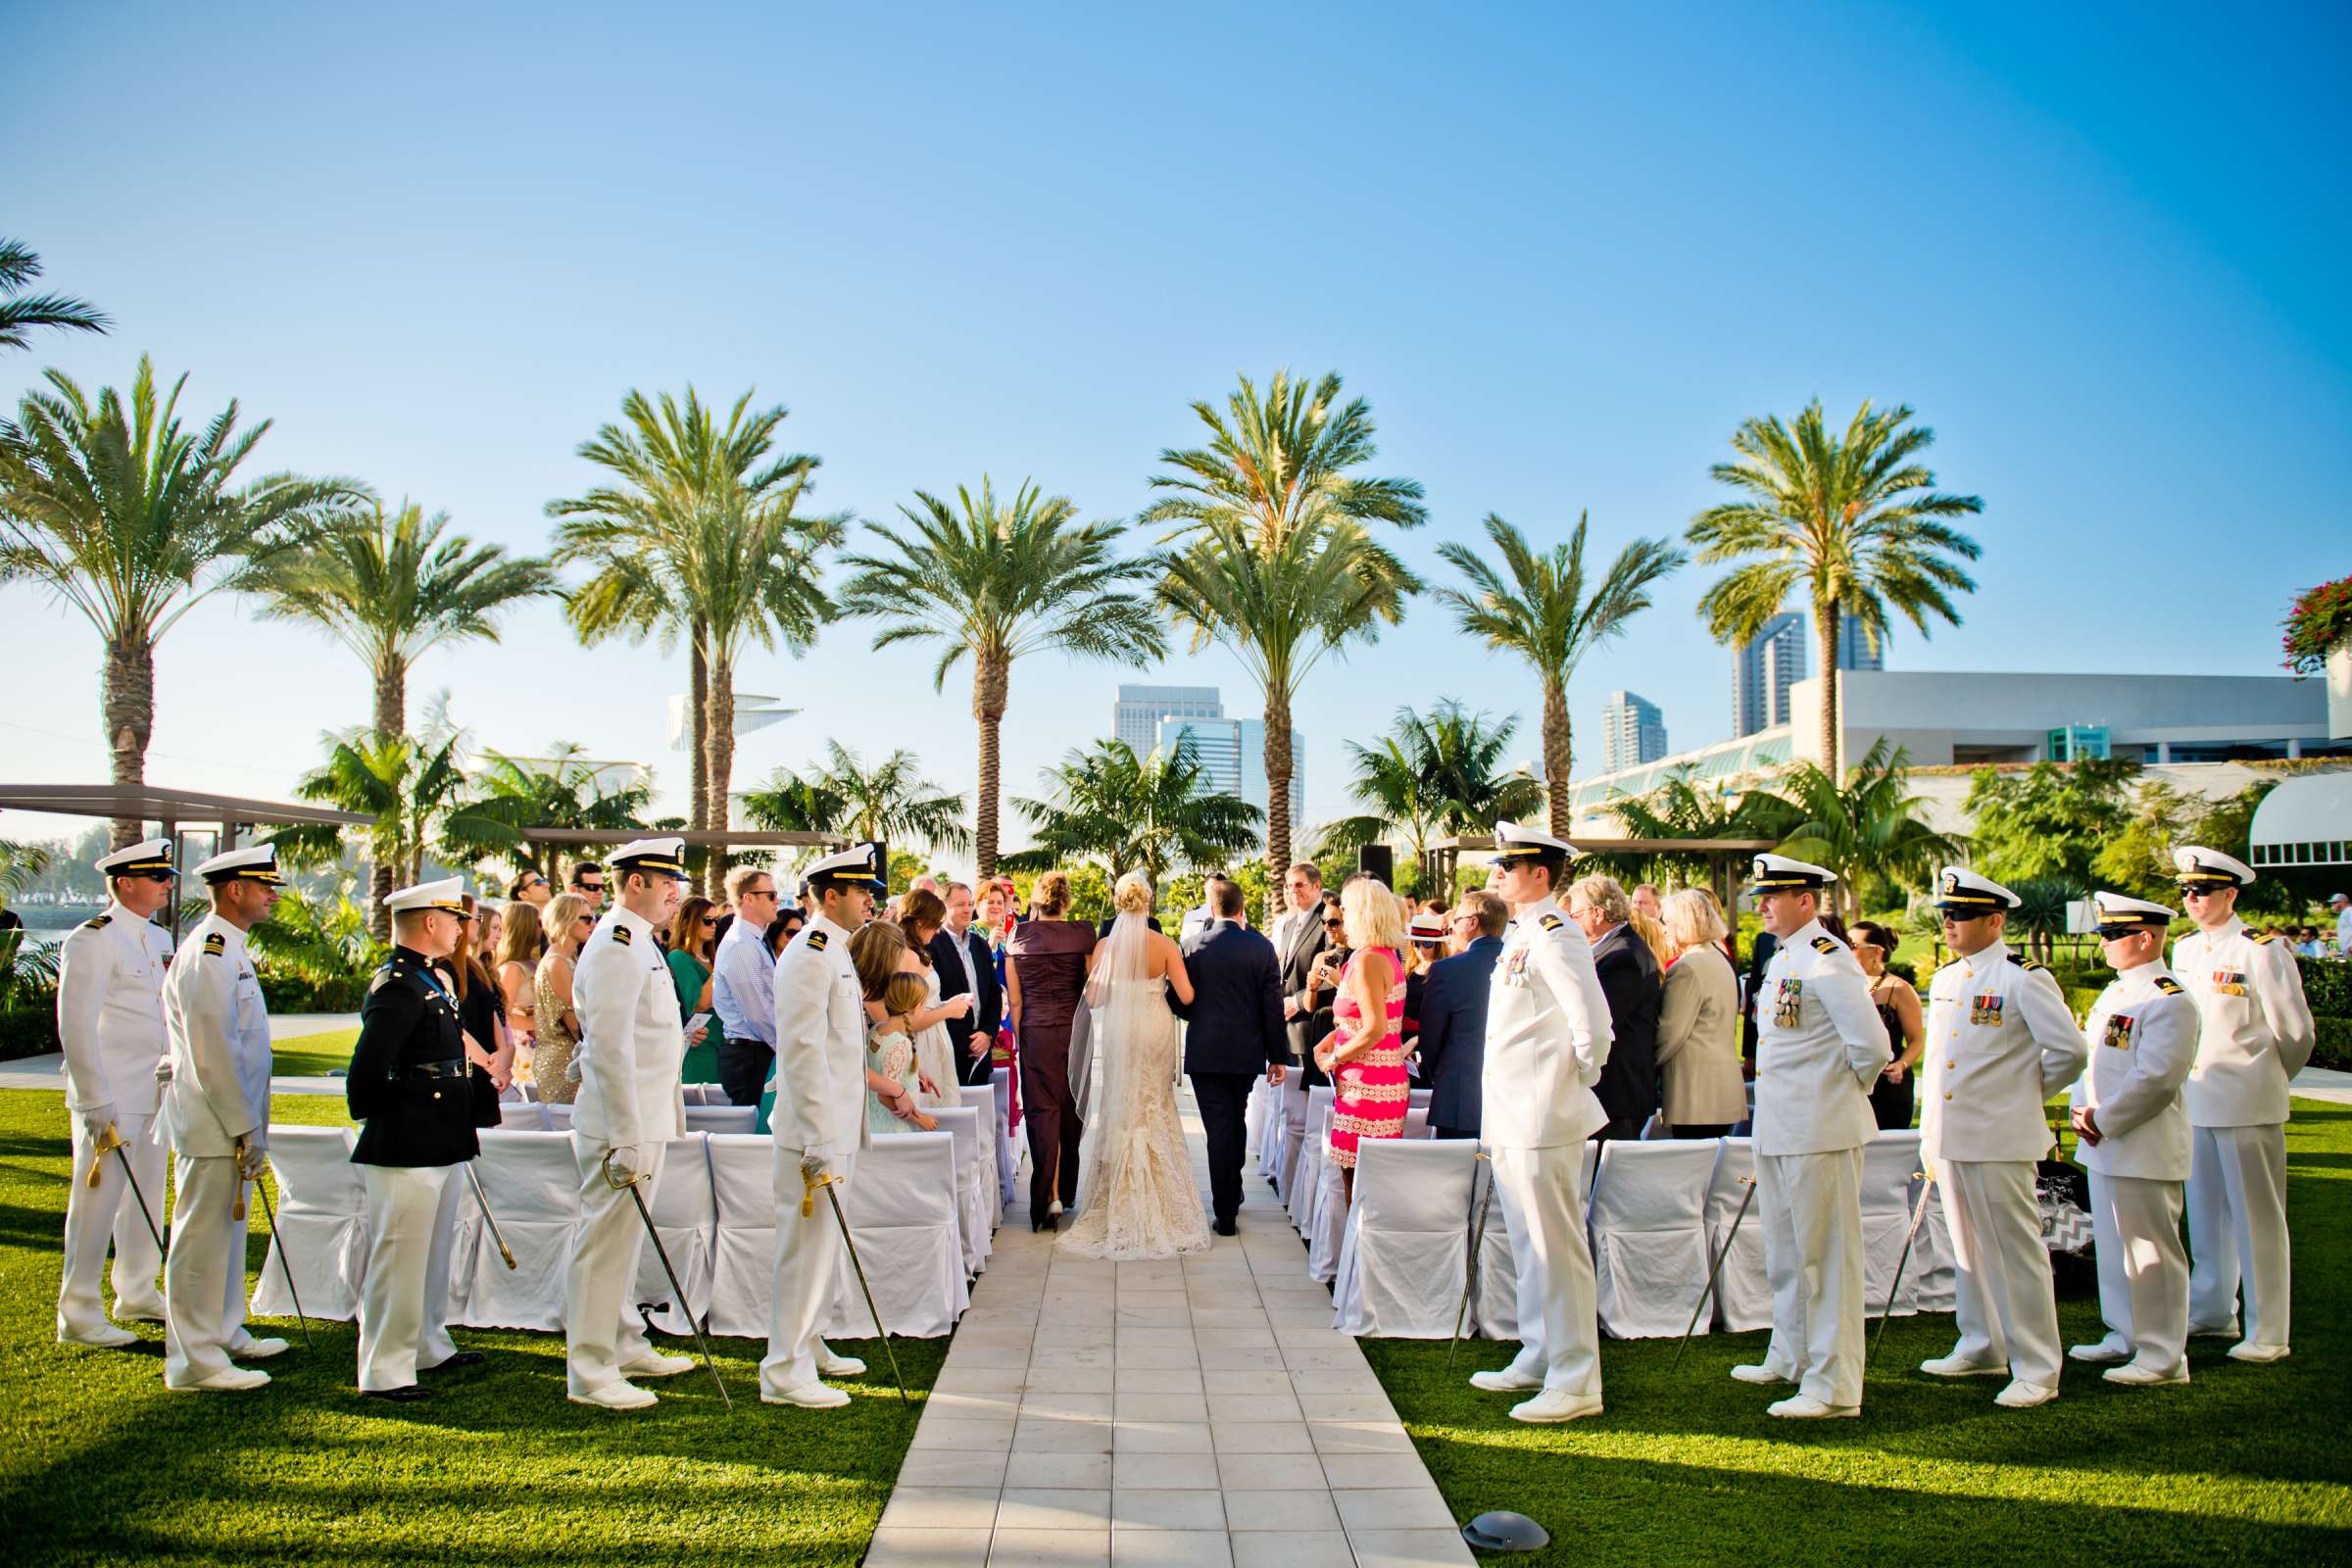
[2027, 964]
[1824, 945]
[1551, 922]
[620, 934]
[101, 923]
[816, 942]
[214, 944]
[2169, 986]
[383, 976]
[2266, 939]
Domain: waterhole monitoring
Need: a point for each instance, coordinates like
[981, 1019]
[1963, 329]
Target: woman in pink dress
[1365, 1053]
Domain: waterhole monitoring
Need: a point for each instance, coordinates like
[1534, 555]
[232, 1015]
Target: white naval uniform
[2142, 1034]
[110, 1020]
[219, 1033]
[1820, 1046]
[2000, 1042]
[819, 1110]
[633, 1049]
[2254, 1033]
[1548, 1039]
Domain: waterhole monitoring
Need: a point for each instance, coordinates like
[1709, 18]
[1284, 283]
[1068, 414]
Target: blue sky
[2101, 251]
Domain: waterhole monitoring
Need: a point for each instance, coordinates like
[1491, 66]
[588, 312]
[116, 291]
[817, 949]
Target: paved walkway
[1199, 1411]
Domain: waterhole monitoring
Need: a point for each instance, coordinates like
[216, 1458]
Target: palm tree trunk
[126, 699]
[992, 685]
[697, 698]
[1825, 648]
[391, 722]
[718, 743]
[1559, 755]
[1278, 798]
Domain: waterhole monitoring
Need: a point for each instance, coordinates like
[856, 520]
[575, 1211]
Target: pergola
[174, 811]
[1721, 854]
[704, 839]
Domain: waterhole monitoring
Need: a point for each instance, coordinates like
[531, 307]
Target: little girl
[890, 1052]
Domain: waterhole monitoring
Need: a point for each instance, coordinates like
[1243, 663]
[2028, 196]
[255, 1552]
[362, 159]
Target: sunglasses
[535, 882]
[1334, 925]
[590, 887]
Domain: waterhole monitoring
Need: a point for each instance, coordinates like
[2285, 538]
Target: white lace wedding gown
[1136, 1195]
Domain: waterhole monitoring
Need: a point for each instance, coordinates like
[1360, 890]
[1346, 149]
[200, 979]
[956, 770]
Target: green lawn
[103, 1466]
[314, 1055]
[2246, 1464]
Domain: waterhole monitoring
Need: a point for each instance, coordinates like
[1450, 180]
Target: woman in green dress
[692, 935]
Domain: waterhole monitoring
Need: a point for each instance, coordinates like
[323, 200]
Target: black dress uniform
[412, 1092]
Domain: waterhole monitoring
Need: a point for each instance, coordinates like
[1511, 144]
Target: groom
[1235, 1033]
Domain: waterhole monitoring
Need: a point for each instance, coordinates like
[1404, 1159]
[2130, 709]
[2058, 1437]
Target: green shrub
[2326, 986]
[2333, 1046]
[27, 1031]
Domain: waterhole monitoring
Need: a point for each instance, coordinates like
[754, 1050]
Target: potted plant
[2319, 636]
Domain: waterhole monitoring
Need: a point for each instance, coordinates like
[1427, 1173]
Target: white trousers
[2143, 1270]
[1812, 1212]
[2237, 1230]
[108, 1212]
[204, 1283]
[2003, 1300]
[1544, 1208]
[810, 1260]
[404, 1296]
[602, 1331]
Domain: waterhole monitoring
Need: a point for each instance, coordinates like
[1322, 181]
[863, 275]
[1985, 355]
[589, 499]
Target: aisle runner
[1200, 1411]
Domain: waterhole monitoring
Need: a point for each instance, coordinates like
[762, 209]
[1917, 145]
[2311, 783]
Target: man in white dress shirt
[109, 1021]
[1819, 1048]
[216, 1114]
[742, 988]
[2142, 1034]
[2000, 1042]
[2255, 1033]
[818, 1124]
[629, 1107]
[1548, 1040]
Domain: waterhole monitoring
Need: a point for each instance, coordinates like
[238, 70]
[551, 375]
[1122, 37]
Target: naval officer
[818, 1124]
[110, 1023]
[1548, 1040]
[632, 1051]
[2254, 1033]
[2000, 1042]
[412, 1094]
[1819, 1048]
[215, 1113]
[2142, 1034]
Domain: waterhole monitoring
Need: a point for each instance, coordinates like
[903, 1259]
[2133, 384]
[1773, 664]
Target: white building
[1136, 715]
[1780, 655]
[1231, 753]
[1633, 731]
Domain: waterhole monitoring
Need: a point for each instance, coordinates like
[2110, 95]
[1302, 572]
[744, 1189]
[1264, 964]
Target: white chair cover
[901, 1208]
[1269, 1138]
[974, 1184]
[534, 1188]
[1008, 1156]
[1418, 1097]
[1402, 1259]
[1649, 1241]
[1742, 1289]
[559, 1115]
[685, 1214]
[1314, 1149]
[743, 1271]
[721, 1118]
[1297, 1116]
[1889, 1162]
[1416, 1121]
[1328, 1225]
[528, 1115]
[323, 1214]
[1932, 1263]
[981, 1098]
[1253, 1119]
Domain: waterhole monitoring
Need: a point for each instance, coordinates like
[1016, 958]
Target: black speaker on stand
[1380, 860]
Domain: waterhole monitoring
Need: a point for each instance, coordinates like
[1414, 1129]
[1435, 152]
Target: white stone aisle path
[1196, 1414]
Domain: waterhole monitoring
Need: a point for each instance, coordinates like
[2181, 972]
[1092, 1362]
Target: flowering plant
[2319, 622]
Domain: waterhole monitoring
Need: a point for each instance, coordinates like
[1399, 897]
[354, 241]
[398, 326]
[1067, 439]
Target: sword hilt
[810, 1186]
[106, 1143]
[618, 1184]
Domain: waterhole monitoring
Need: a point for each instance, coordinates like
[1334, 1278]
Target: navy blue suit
[1453, 1036]
[1235, 1032]
[988, 1006]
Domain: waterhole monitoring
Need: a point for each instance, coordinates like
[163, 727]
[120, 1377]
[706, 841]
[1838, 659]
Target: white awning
[2305, 821]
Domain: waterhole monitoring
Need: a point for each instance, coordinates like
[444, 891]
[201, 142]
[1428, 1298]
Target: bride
[1136, 1195]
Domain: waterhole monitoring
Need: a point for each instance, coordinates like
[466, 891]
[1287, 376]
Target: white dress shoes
[1510, 1379]
[2104, 1353]
[2196, 1331]
[808, 1396]
[838, 1366]
[2024, 1397]
[234, 1380]
[2259, 1355]
[1759, 1373]
[654, 1365]
[2132, 1375]
[1556, 1404]
[1804, 1408]
[103, 1336]
[1960, 1366]
[258, 1349]
[618, 1395]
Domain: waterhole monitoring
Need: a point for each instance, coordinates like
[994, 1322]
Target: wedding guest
[926, 916]
[1044, 979]
[782, 929]
[1654, 937]
[1891, 1097]
[481, 1015]
[1647, 902]
[1303, 902]
[959, 953]
[521, 944]
[527, 886]
[568, 922]
[1629, 978]
[742, 988]
[588, 881]
[692, 941]
[1365, 1053]
[1453, 1015]
[890, 1054]
[1698, 1022]
[1425, 944]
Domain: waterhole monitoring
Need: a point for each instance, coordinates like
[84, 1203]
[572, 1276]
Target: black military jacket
[409, 1089]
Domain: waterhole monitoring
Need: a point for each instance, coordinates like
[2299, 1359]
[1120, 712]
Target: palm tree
[20, 266]
[562, 790]
[393, 780]
[999, 582]
[889, 801]
[1867, 825]
[1150, 814]
[1542, 612]
[1275, 560]
[1683, 805]
[697, 533]
[1440, 773]
[1856, 520]
[133, 522]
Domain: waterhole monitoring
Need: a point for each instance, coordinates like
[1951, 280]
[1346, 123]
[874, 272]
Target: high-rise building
[1136, 716]
[1853, 646]
[1633, 731]
[1778, 658]
[1231, 753]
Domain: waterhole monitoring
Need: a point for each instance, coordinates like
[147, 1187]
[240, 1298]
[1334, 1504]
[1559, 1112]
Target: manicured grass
[314, 1055]
[2245, 1464]
[103, 1466]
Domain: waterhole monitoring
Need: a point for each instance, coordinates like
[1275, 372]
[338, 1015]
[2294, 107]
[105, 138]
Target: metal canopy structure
[1719, 853]
[707, 839]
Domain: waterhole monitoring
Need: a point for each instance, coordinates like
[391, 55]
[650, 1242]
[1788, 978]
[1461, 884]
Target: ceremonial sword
[475, 1179]
[116, 1147]
[1715, 1270]
[286, 1268]
[1896, 1289]
[630, 1185]
[813, 1175]
[1478, 1236]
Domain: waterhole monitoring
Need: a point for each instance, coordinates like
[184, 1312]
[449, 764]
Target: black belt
[752, 1044]
[431, 1069]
